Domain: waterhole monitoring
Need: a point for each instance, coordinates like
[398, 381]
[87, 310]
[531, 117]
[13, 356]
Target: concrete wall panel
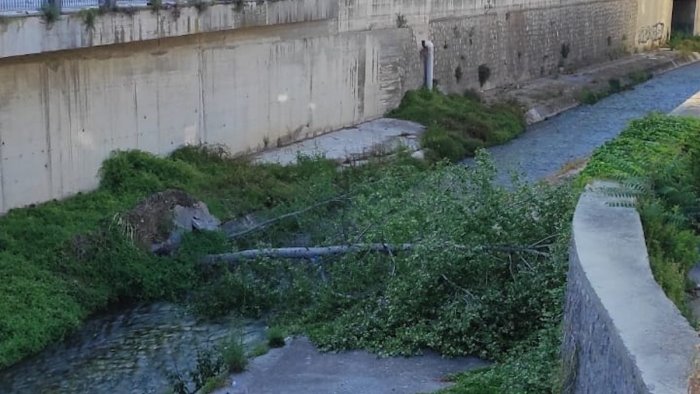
[270, 73]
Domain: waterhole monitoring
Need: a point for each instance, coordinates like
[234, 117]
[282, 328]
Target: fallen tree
[311, 252]
[302, 252]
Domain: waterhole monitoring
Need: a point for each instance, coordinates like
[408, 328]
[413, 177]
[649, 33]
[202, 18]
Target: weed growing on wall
[50, 13]
[89, 16]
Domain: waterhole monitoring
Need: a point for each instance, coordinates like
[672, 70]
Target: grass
[275, 337]
[234, 355]
[459, 125]
[213, 383]
[685, 43]
[531, 367]
[89, 17]
[615, 85]
[259, 350]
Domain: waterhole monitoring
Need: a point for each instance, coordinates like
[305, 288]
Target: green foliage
[89, 16]
[233, 354]
[401, 303]
[659, 156]
[50, 13]
[615, 85]
[637, 77]
[530, 367]
[62, 261]
[213, 383]
[685, 43]
[275, 337]
[200, 5]
[590, 97]
[648, 143]
[458, 125]
[259, 350]
[205, 377]
[68, 259]
[156, 5]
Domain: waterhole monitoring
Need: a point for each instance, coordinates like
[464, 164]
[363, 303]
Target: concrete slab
[299, 368]
[690, 107]
[376, 137]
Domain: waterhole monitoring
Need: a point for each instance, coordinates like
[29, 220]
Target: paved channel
[547, 146]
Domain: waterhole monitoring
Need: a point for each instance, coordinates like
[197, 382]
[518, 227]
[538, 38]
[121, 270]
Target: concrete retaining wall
[621, 333]
[260, 74]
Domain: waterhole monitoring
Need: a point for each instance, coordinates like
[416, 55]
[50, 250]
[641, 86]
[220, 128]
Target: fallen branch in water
[302, 252]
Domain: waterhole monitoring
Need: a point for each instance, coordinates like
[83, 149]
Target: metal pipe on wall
[428, 53]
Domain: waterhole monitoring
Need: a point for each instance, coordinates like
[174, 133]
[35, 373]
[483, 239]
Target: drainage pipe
[428, 61]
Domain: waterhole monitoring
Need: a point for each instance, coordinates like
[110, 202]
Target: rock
[196, 217]
[533, 116]
[694, 275]
[419, 155]
[160, 220]
[169, 246]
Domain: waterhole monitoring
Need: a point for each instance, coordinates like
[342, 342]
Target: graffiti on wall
[651, 33]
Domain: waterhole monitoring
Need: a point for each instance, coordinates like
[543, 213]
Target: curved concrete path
[299, 368]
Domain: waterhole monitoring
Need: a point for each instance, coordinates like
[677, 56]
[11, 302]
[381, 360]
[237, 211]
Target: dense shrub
[458, 125]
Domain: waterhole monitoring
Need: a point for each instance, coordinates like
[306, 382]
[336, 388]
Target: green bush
[590, 97]
[259, 350]
[458, 125]
[275, 337]
[637, 77]
[233, 354]
[531, 367]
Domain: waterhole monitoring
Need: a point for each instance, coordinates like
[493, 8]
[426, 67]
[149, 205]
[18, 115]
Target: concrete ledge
[621, 333]
[32, 35]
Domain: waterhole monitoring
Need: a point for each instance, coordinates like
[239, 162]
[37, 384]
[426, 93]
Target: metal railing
[9, 7]
[20, 5]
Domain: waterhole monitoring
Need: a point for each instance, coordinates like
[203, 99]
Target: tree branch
[269, 222]
[302, 252]
[319, 251]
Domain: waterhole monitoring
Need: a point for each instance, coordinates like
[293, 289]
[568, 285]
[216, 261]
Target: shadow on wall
[684, 17]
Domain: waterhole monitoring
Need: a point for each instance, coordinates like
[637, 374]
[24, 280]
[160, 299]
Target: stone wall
[517, 44]
[259, 74]
[621, 333]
